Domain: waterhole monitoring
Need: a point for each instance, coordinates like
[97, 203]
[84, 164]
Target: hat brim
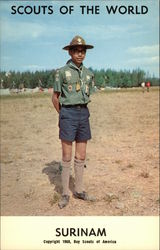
[86, 46]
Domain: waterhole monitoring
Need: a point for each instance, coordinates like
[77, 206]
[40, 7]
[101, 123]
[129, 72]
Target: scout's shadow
[54, 175]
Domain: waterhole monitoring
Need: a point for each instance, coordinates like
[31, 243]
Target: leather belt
[75, 106]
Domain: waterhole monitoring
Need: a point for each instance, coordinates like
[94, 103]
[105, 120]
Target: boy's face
[78, 54]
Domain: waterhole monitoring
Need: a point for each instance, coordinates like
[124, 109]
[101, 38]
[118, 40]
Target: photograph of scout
[72, 88]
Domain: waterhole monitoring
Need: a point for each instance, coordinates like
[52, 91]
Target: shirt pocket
[69, 83]
[70, 87]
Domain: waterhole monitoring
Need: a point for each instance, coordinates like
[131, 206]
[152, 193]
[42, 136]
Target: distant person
[143, 86]
[72, 88]
[148, 84]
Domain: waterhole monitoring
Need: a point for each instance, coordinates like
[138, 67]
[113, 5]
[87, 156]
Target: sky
[121, 41]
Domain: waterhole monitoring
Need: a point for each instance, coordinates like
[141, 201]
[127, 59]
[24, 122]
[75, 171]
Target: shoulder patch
[57, 75]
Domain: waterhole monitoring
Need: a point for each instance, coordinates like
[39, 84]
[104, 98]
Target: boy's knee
[80, 157]
[66, 158]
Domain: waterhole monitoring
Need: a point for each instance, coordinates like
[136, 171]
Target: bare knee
[80, 156]
[66, 158]
[80, 150]
[66, 155]
[66, 151]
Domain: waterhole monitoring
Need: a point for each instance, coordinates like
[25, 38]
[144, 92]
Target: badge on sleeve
[87, 89]
[57, 75]
[88, 77]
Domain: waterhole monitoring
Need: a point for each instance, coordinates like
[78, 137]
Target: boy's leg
[65, 175]
[79, 161]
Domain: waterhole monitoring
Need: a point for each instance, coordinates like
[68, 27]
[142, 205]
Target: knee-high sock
[79, 169]
[65, 175]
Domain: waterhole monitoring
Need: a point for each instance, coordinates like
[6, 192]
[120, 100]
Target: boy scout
[72, 88]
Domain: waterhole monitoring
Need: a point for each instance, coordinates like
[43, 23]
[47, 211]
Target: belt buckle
[78, 106]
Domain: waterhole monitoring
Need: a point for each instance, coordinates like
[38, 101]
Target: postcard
[79, 124]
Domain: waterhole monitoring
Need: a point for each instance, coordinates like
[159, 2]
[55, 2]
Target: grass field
[122, 157]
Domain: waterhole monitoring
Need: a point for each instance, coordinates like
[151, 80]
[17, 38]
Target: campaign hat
[78, 41]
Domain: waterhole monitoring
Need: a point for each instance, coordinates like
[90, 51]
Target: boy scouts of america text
[82, 9]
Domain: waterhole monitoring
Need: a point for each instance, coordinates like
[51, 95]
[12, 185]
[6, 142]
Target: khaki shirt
[74, 84]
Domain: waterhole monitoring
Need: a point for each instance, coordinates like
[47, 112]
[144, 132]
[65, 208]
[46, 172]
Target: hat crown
[77, 40]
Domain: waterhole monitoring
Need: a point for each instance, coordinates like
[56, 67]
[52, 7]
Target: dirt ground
[122, 157]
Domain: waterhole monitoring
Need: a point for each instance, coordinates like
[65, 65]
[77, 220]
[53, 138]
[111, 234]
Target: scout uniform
[75, 84]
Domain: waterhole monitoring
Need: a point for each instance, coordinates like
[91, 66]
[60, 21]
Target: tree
[50, 82]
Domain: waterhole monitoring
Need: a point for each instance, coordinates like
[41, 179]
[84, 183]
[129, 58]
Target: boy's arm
[57, 90]
[92, 85]
[55, 100]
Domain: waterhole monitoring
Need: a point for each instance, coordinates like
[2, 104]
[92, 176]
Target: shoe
[64, 201]
[84, 196]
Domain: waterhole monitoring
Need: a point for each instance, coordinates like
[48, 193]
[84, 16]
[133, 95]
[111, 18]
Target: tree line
[103, 78]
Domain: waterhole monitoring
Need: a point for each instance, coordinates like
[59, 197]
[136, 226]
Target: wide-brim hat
[78, 41]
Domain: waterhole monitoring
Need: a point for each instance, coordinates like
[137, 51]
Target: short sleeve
[57, 82]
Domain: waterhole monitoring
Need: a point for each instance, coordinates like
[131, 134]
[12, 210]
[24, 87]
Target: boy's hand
[55, 101]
